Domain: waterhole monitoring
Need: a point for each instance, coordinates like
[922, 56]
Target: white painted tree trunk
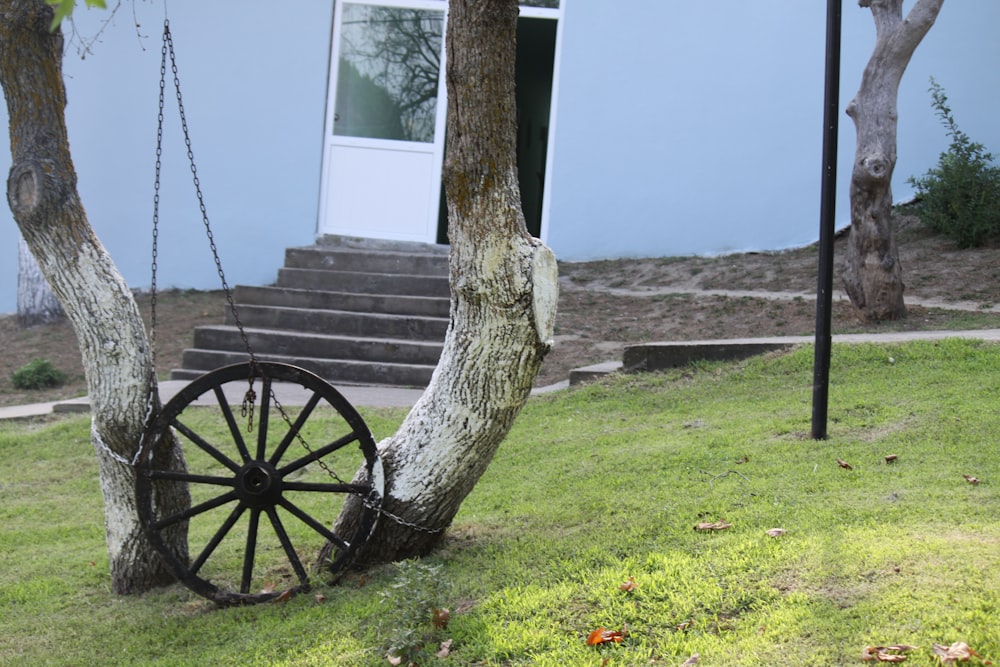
[504, 289]
[872, 274]
[41, 191]
[36, 304]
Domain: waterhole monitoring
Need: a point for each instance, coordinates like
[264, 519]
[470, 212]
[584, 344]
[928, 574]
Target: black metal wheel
[266, 482]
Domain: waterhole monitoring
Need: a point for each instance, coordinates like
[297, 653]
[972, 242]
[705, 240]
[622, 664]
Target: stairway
[353, 311]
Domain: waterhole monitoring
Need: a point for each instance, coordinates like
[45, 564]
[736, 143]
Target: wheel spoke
[188, 477]
[234, 428]
[205, 446]
[195, 511]
[293, 432]
[314, 524]
[358, 489]
[286, 544]
[217, 538]
[250, 552]
[265, 408]
[318, 454]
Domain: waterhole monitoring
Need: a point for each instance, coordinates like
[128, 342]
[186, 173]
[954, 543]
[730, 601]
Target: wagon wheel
[247, 472]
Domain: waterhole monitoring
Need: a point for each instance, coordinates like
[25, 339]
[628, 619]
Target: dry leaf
[445, 649]
[743, 459]
[693, 660]
[440, 617]
[629, 585]
[957, 652]
[844, 464]
[891, 458]
[717, 525]
[603, 636]
[776, 532]
[320, 598]
[284, 596]
[885, 653]
[393, 660]
[684, 626]
[971, 480]
[268, 588]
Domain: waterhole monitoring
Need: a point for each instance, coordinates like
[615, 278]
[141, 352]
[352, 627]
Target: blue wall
[696, 127]
[254, 80]
[686, 127]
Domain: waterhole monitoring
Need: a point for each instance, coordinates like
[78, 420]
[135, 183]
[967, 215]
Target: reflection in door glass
[387, 77]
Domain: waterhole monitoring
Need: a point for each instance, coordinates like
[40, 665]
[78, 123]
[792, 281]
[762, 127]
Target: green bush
[38, 374]
[960, 198]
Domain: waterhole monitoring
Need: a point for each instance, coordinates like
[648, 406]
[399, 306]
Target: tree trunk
[36, 304]
[872, 274]
[41, 190]
[504, 291]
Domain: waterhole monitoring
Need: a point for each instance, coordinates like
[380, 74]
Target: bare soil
[606, 305]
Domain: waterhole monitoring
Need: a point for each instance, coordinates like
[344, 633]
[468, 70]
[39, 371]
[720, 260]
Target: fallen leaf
[629, 585]
[891, 458]
[684, 626]
[445, 649]
[603, 636]
[393, 660]
[284, 596]
[844, 464]
[885, 653]
[320, 598]
[957, 652]
[440, 617]
[693, 660]
[743, 459]
[716, 525]
[268, 588]
[971, 480]
[776, 532]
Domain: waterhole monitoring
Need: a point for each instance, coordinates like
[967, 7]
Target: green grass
[593, 486]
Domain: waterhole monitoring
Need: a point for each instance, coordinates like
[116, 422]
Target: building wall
[696, 127]
[686, 127]
[254, 80]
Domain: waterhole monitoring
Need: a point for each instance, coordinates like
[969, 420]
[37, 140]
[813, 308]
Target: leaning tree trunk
[872, 274]
[41, 190]
[36, 303]
[504, 293]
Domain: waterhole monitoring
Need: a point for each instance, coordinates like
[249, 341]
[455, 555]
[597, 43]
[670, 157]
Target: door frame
[327, 204]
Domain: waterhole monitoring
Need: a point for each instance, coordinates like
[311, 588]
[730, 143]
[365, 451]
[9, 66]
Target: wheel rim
[262, 496]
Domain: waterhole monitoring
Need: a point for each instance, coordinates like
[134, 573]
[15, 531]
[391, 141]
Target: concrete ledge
[658, 356]
[589, 373]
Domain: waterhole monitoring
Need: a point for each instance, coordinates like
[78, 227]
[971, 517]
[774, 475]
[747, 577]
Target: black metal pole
[828, 208]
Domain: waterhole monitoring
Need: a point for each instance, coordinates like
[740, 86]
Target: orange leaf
[971, 480]
[284, 596]
[717, 525]
[844, 464]
[891, 458]
[603, 636]
[629, 585]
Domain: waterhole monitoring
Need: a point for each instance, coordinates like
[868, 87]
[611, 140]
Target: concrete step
[336, 371]
[419, 306]
[290, 343]
[364, 283]
[361, 261]
[342, 323]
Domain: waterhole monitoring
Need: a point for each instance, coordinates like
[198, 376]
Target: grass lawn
[596, 487]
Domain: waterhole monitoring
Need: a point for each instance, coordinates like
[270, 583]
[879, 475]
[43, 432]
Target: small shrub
[38, 374]
[414, 616]
[960, 198]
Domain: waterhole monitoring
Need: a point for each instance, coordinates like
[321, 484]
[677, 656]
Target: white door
[384, 137]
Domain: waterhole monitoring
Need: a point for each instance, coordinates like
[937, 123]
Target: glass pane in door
[387, 72]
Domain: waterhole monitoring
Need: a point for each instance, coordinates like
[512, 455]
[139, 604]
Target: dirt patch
[606, 305]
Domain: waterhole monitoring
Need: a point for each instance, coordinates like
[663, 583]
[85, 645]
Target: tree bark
[36, 304]
[504, 291]
[41, 191]
[872, 273]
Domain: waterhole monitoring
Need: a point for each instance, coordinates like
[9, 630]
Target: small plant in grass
[38, 374]
[960, 198]
[414, 615]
